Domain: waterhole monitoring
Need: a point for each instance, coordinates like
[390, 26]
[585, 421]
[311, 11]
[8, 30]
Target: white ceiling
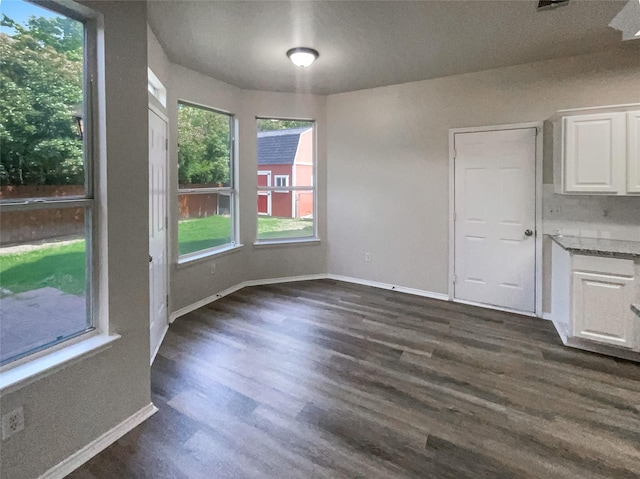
[366, 44]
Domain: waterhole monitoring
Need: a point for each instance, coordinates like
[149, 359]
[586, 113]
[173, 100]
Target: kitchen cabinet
[593, 287]
[596, 151]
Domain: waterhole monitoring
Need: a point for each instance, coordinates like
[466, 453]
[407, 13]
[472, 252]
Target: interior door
[157, 229]
[494, 249]
[264, 197]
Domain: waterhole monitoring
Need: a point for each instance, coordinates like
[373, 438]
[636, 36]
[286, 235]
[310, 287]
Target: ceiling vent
[551, 4]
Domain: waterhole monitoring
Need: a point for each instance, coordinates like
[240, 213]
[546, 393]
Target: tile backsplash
[614, 217]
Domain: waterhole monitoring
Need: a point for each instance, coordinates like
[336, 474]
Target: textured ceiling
[368, 44]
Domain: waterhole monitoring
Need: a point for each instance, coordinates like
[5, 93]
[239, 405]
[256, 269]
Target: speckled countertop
[599, 246]
[636, 309]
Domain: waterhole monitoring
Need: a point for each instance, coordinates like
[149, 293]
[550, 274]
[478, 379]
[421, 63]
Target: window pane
[41, 140]
[204, 153]
[43, 281]
[285, 149]
[291, 214]
[204, 221]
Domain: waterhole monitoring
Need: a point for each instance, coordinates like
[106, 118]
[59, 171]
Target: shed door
[264, 197]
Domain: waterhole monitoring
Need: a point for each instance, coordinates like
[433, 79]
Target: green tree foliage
[203, 146]
[270, 125]
[40, 87]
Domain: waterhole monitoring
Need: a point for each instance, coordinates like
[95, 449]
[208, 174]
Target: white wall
[193, 281]
[70, 408]
[388, 155]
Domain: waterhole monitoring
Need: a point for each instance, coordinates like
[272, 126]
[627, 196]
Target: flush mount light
[302, 56]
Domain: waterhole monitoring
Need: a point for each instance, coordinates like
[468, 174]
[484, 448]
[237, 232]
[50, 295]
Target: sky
[21, 11]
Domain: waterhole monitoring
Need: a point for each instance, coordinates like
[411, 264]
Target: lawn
[62, 266]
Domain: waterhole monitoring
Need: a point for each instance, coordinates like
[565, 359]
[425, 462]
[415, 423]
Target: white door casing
[158, 262]
[266, 181]
[495, 218]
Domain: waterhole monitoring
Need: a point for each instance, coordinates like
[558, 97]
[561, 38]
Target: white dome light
[302, 57]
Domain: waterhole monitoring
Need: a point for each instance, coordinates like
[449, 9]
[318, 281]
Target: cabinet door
[633, 152]
[594, 147]
[601, 305]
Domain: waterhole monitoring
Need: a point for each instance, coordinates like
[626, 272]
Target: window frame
[53, 354]
[286, 185]
[313, 238]
[231, 190]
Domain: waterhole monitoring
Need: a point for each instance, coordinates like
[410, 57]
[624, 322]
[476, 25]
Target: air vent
[551, 4]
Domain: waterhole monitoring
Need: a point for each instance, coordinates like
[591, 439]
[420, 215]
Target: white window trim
[32, 367]
[313, 188]
[232, 191]
[286, 183]
[156, 88]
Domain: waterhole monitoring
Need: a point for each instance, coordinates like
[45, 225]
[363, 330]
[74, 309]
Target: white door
[594, 147]
[157, 229]
[494, 250]
[633, 152]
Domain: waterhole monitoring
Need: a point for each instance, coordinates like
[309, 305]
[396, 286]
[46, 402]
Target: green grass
[56, 266]
[63, 266]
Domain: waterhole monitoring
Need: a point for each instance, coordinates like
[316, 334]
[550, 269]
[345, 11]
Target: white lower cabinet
[601, 308]
[591, 299]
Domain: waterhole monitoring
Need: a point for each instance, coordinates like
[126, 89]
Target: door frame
[156, 108]
[268, 174]
[538, 211]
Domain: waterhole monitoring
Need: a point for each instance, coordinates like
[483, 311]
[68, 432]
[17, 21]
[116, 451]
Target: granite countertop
[598, 246]
[636, 309]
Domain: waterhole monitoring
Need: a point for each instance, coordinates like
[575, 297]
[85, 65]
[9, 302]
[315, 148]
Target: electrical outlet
[367, 256]
[12, 422]
[212, 269]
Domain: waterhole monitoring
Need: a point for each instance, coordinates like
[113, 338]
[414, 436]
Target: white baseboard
[254, 282]
[77, 459]
[392, 287]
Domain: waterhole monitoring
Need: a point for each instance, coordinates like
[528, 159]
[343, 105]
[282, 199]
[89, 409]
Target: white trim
[164, 333]
[160, 91]
[205, 254]
[77, 459]
[18, 376]
[288, 242]
[254, 282]
[538, 210]
[495, 308]
[391, 287]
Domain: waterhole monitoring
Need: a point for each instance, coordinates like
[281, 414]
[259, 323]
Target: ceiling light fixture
[302, 56]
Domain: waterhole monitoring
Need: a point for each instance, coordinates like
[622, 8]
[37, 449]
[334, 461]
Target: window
[206, 194]
[47, 206]
[281, 181]
[286, 205]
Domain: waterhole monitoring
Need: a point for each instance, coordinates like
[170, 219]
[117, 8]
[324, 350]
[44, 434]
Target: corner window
[206, 189]
[47, 206]
[286, 192]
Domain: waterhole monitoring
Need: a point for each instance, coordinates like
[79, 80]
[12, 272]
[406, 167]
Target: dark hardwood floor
[329, 379]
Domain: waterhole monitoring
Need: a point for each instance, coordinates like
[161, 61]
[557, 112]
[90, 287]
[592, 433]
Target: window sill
[287, 242]
[205, 255]
[33, 370]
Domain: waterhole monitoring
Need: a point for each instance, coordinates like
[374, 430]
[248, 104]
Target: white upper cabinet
[596, 151]
[633, 152]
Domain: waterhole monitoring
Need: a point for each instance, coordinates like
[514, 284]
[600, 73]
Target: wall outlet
[212, 269]
[12, 422]
[367, 256]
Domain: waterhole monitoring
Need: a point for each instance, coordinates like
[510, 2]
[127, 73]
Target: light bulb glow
[302, 57]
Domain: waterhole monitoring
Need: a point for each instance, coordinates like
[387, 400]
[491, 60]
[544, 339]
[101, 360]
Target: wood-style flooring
[334, 380]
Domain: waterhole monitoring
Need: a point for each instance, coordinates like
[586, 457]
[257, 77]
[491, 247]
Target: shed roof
[278, 147]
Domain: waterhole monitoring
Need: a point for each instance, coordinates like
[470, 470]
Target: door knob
[528, 232]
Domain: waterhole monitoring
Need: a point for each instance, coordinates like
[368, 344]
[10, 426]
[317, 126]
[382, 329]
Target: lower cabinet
[591, 299]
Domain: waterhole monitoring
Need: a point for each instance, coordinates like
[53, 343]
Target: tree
[203, 146]
[270, 125]
[40, 87]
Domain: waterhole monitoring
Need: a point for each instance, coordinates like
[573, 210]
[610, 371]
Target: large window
[286, 189]
[47, 208]
[206, 194]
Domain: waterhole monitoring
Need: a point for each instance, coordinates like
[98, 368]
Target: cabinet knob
[528, 233]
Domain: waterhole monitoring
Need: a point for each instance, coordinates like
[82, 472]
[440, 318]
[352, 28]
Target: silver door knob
[528, 233]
